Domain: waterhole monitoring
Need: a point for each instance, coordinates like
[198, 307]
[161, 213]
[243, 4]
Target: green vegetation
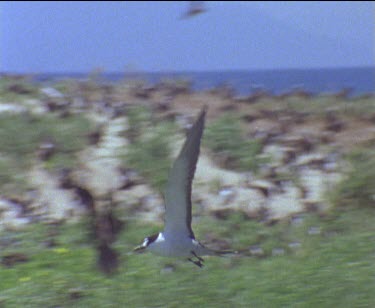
[224, 137]
[150, 150]
[90, 89]
[12, 177]
[139, 118]
[21, 135]
[16, 88]
[332, 268]
[68, 87]
[349, 107]
[150, 155]
[319, 105]
[316, 260]
[357, 188]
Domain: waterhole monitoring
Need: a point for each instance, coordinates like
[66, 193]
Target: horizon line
[103, 71]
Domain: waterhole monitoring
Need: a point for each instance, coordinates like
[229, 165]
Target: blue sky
[151, 36]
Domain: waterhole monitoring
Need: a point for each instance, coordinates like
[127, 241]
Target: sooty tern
[195, 8]
[177, 239]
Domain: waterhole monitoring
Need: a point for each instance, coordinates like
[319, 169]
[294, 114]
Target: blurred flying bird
[177, 239]
[195, 8]
[103, 225]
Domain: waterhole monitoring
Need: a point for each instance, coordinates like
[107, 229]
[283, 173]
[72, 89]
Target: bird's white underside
[177, 245]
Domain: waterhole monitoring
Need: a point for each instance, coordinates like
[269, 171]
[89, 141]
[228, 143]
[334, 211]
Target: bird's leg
[198, 257]
[197, 263]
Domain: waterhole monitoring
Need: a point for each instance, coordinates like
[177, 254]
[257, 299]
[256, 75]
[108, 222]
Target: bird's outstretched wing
[178, 190]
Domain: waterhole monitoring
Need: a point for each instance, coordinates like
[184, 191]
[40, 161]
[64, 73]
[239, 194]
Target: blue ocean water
[360, 80]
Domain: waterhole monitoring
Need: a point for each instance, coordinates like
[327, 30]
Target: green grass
[150, 148]
[68, 87]
[319, 105]
[357, 188]
[139, 119]
[333, 268]
[150, 144]
[21, 134]
[12, 177]
[14, 89]
[224, 137]
[91, 89]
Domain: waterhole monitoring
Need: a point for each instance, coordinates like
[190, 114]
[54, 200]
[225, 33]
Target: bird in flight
[177, 238]
[195, 8]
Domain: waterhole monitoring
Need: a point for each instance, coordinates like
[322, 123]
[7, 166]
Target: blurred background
[95, 102]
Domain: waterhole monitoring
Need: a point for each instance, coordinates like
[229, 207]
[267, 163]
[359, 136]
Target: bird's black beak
[139, 249]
